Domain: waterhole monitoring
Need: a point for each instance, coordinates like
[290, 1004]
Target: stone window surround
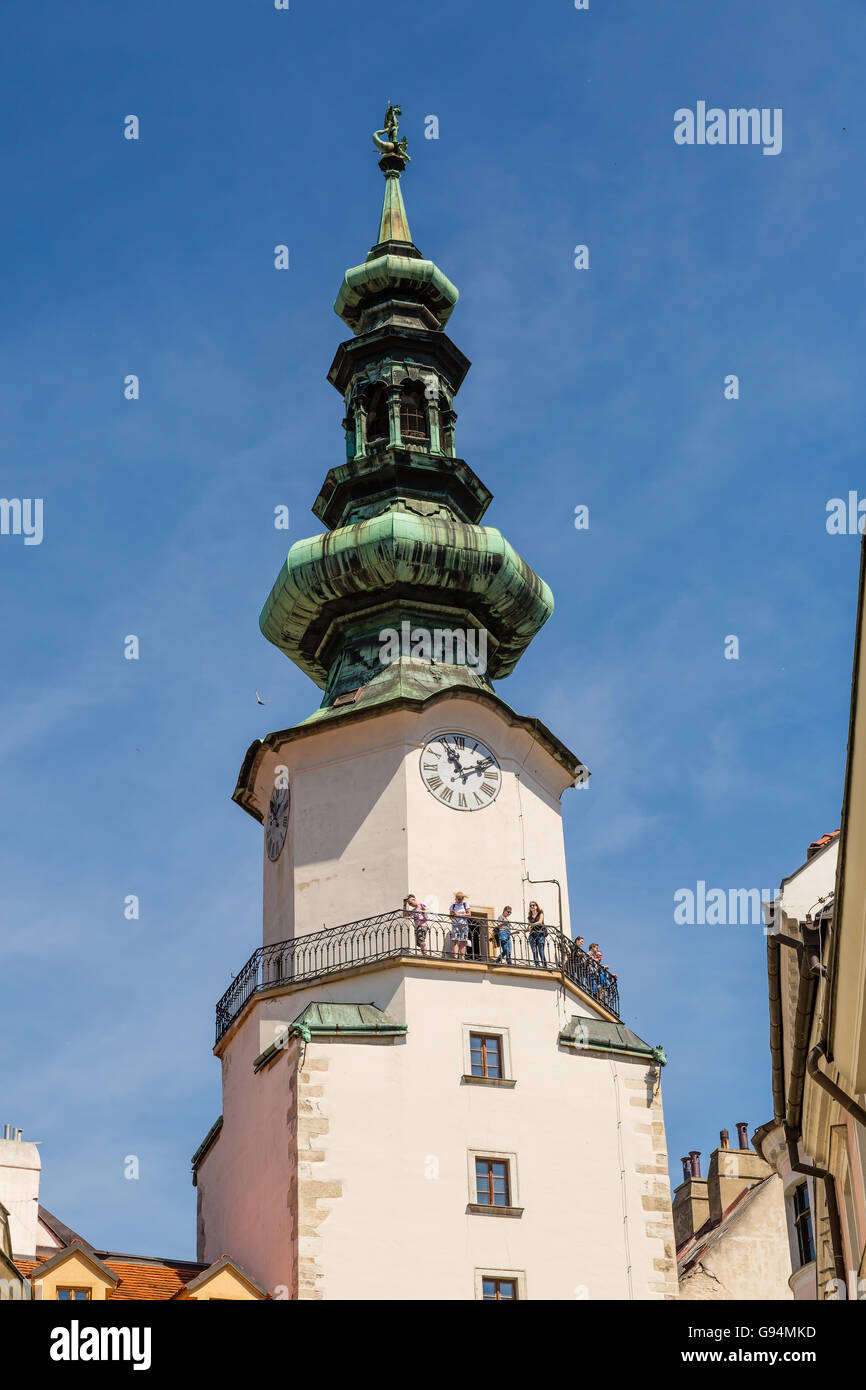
[497, 1156]
[489, 1030]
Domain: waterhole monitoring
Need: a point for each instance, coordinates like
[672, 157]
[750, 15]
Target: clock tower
[394, 1074]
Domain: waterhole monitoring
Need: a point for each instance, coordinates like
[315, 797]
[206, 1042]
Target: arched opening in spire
[413, 415]
[378, 432]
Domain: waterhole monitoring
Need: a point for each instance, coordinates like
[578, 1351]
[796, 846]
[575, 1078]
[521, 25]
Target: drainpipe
[830, 1195]
[841, 1097]
[537, 881]
[800, 1058]
[776, 1055]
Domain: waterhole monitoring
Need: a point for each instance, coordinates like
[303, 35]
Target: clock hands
[453, 757]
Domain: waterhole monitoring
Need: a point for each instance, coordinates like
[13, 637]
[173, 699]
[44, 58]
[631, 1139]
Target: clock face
[460, 771]
[277, 822]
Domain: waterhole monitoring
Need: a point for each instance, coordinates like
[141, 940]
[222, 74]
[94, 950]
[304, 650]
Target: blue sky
[602, 387]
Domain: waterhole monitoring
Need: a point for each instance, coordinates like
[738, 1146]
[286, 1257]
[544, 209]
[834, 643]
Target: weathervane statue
[389, 146]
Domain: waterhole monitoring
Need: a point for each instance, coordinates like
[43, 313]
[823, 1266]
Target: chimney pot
[7, 1131]
[742, 1134]
[724, 1139]
[695, 1156]
[687, 1167]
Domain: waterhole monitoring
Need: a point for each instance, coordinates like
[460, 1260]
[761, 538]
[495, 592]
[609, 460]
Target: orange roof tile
[824, 840]
[141, 1279]
[147, 1280]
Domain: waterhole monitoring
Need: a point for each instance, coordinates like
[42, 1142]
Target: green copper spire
[403, 550]
[394, 225]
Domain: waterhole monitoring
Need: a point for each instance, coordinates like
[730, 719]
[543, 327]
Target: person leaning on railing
[502, 936]
[537, 934]
[606, 978]
[418, 912]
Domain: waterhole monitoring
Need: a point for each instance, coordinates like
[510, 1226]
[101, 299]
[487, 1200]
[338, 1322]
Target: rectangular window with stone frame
[492, 1185]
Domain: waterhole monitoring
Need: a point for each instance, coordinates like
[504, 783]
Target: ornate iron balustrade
[394, 934]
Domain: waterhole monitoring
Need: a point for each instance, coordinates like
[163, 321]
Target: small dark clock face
[460, 771]
[277, 822]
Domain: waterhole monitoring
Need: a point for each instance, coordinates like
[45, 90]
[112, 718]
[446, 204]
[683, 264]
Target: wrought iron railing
[316, 955]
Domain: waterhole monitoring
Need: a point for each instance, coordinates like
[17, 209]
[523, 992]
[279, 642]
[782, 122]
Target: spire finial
[394, 157]
[394, 224]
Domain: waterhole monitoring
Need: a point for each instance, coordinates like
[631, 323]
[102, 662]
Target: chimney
[732, 1172]
[690, 1206]
[19, 1190]
[724, 1139]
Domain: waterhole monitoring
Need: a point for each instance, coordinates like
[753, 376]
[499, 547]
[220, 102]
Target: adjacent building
[42, 1258]
[816, 967]
[730, 1226]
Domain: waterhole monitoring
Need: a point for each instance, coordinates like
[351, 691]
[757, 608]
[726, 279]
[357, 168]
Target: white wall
[20, 1167]
[395, 1125]
[364, 830]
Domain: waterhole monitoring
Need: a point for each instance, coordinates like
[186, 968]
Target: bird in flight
[260, 700]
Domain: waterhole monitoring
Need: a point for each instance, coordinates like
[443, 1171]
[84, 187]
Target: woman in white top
[460, 913]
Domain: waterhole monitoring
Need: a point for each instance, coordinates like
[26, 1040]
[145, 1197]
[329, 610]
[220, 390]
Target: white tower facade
[418, 1105]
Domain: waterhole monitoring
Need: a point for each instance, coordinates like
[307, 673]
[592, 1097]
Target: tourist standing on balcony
[460, 912]
[418, 912]
[537, 934]
[502, 936]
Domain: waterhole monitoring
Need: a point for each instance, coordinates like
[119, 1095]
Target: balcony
[392, 936]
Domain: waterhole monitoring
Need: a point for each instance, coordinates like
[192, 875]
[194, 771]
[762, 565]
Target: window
[487, 1061]
[73, 1293]
[803, 1224]
[491, 1182]
[485, 1050]
[413, 414]
[494, 1290]
[377, 418]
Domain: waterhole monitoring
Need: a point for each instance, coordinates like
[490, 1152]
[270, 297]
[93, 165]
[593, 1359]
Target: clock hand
[453, 758]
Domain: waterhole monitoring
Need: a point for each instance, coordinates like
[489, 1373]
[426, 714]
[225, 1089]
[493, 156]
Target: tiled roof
[819, 844]
[712, 1231]
[137, 1279]
[142, 1279]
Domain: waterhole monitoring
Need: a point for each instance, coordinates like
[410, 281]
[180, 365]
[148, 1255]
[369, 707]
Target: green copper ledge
[597, 1035]
[395, 273]
[401, 555]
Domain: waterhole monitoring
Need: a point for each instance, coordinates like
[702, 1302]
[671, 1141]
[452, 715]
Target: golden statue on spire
[386, 141]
